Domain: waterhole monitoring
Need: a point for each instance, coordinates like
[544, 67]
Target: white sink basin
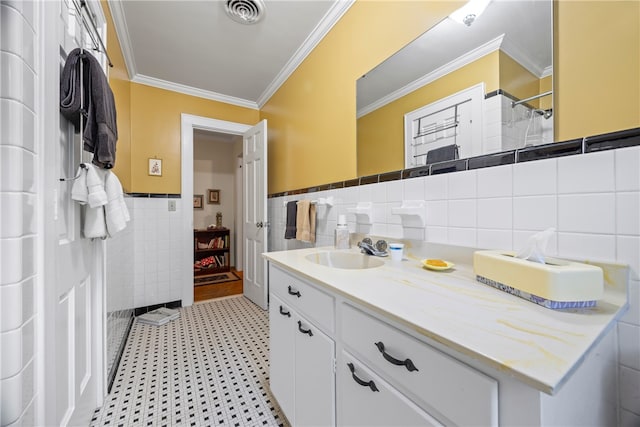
[346, 260]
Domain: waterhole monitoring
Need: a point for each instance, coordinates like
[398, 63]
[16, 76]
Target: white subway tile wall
[593, 201]
[627, 169]
[587, 213]
[496, 181]
[156, 243]
[18, 210]
[120, 255]
[587, 173]
[535, 178]
[535, 212]
[628, 213]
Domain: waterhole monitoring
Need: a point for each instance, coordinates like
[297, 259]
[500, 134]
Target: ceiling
[193, 47]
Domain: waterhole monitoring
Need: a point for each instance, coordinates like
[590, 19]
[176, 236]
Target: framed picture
[214, 197]
[155, 167]
[198, 201]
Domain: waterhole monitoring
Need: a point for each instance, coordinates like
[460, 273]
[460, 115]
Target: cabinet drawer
[360, 405]
[453, 389]
[304, 297]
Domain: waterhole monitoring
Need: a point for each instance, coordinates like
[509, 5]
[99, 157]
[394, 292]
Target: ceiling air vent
[245, 11]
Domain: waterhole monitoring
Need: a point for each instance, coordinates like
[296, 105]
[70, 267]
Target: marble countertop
[536, 345]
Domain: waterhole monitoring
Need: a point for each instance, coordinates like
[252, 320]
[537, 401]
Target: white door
[73, 267]
[255, 222]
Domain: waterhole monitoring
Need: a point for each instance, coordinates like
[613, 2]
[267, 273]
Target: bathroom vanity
[396, 344]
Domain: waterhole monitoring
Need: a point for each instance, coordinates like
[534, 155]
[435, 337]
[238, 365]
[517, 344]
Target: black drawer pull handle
[308, 331]
[285, 313]
[292, 292]
[369, 384]
[407, 362]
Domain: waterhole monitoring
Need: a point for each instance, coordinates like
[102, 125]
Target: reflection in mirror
[459, 91]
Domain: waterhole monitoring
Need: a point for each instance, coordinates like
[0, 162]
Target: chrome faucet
[367, 246]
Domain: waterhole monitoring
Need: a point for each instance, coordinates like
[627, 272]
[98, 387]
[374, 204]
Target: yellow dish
[437, 264]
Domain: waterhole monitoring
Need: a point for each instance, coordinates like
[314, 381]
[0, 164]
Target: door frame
[239, 240]
[188, 123]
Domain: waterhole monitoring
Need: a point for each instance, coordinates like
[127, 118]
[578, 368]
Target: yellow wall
[597, 67]
[312, 125]
[155, 132]
[517, 80]
[119, 82]
[312, 117]
[546, 84]
[149, 124]
[381, 132]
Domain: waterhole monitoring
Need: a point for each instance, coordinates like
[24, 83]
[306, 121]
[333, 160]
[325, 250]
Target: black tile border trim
[155, 195]
[142, 310]
[490, 160]
[588, 144]
[449, 166]
[548, 151]
[610, 141]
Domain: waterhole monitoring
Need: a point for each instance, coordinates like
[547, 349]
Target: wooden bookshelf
[211, 251]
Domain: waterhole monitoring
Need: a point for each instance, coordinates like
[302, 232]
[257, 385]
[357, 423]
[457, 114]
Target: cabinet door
[281, 355]
[315, 376]
[364, 399]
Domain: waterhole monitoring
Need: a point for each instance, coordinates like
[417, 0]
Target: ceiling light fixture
[468, 13]
[245, 11]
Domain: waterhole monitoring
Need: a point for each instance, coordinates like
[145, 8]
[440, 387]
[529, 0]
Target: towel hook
[82, 166]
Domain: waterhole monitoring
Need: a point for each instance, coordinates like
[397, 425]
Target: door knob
[259, 224]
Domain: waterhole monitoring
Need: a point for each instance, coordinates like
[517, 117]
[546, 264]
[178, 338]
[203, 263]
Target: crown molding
[332, 16]
[189, 90]
[120, 24]
[327, 22]
[547, 71]
[467, 58]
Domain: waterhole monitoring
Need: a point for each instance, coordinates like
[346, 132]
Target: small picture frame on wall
[198, 201]
[214, 197]
[155, 167]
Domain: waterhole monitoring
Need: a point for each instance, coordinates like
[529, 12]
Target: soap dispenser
[342, 233]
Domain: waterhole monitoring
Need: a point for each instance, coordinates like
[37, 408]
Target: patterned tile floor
[209, 367]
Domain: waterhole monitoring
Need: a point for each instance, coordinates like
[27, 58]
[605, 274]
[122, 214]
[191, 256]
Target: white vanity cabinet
[344, 352]
[454, 392]
[302, 355]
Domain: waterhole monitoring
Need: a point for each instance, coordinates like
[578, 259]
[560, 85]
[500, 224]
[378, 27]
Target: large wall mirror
[460, 90]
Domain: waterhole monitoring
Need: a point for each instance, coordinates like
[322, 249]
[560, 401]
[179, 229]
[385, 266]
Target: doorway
[190, 125]
[217, 260]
